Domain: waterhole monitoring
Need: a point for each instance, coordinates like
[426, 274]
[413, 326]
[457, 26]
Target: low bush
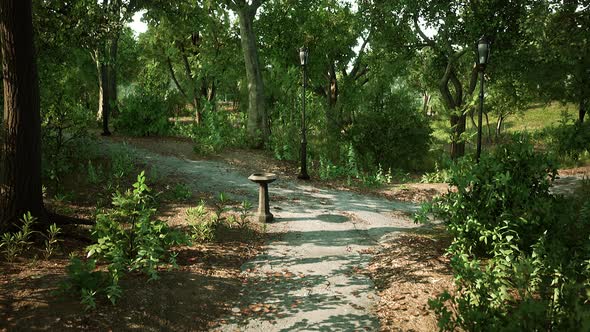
[143, 114]
[219, 130]
[520, 256]
[390, 132]
[128, 238]
[569, 140]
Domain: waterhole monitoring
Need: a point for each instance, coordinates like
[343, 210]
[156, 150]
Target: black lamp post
[483, 55]
[303, 54]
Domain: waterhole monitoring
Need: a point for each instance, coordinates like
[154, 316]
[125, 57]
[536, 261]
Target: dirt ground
[205, 285]
[251, 161]
[407, 271]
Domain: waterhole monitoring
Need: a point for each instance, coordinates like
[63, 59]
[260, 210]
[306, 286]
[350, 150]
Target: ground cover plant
[129, 239]
[519, 254]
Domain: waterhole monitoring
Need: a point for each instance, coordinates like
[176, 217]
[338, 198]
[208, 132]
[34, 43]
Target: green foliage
[128, 239]
[64, 138]
[51, 240]
[83, 279]
[181, 192]
[328, 170]
[202, 228]
[220, 130]
[144, 113]
[520, 256]
[437, 176]
[16, 243]
[569, 140]
[220, 206]
[244, 212]
[391, 132]
[94, 174]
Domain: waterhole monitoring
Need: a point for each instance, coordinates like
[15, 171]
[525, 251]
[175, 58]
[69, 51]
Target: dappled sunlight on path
[310, 277]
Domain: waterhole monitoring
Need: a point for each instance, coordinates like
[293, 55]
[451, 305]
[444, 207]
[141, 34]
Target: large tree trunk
[104, 105]
[458, 127]
[455, 101]
[257, 126]
[20, 169]
[112, 76]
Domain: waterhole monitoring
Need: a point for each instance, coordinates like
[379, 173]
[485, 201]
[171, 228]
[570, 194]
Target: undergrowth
[520, 255]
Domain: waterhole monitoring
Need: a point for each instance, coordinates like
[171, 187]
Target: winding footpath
[309, 277]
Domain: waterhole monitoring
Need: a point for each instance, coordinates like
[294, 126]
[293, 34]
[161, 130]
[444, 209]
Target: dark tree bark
[332, 86]
[104, 105]
[173, 75]
[112, 72]
[20, 172]
[455, 102]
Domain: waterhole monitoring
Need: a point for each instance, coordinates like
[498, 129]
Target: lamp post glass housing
[303, 56]
[483, 52]
[483, 56]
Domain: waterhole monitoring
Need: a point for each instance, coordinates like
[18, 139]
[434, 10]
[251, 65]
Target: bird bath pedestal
[263, 179]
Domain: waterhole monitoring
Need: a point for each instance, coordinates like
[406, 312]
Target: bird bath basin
[263, 179]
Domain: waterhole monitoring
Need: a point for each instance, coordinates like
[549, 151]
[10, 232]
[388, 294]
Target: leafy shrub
[94, 174]
[244, 212]
[128, 236]
[520, 256]
[64, 138]
[83, 279]
[390, 132]
[143, 114]
[128, 239]
[181, 192]
[219, 130]
[570, 140]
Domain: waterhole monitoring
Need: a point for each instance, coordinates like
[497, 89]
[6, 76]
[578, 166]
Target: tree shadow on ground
[178, 301]
[332, 298]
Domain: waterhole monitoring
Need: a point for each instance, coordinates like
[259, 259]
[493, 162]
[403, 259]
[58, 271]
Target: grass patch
[540, 116]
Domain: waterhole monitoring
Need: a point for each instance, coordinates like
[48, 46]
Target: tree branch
[357, 62]
[174, 78]
[458, 88]
[427, 40]
[443, 86]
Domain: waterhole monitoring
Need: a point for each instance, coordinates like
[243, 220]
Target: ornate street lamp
[303, 55]
[483, 55]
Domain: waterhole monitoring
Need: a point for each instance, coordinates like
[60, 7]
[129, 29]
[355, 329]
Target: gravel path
[309, 277]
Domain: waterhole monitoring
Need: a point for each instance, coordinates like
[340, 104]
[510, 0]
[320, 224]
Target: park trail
[310, 275]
